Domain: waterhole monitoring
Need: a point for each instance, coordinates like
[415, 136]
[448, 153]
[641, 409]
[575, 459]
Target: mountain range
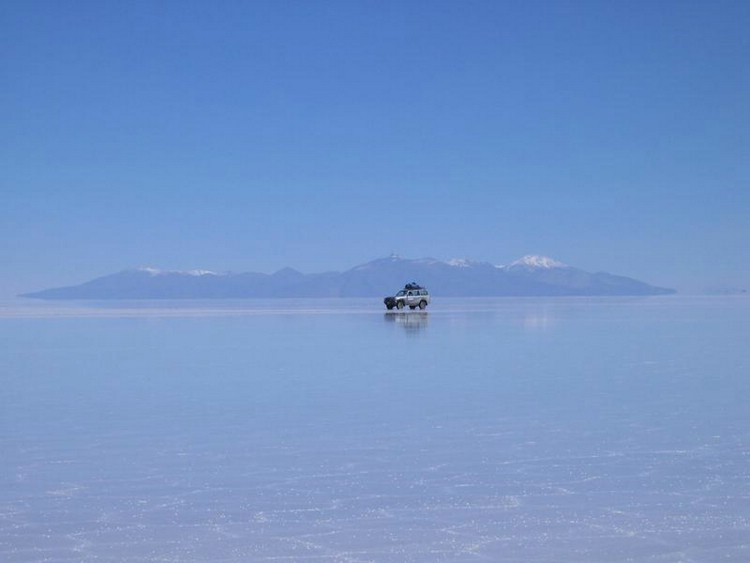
[529, 276]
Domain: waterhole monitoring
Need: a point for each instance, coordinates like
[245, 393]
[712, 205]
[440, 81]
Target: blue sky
[249, 136]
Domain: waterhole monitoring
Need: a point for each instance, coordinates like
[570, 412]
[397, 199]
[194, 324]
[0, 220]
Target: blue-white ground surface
[519, 430]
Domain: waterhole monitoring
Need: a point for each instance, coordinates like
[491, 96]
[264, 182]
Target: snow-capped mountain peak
[535, 261]
[149, 270]
[157, 272]
[461, 262]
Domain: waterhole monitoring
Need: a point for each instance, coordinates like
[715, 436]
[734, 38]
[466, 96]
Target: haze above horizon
[256, 136]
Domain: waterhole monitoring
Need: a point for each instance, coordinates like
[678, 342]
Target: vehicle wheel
[412, 307]
[389, 307]
[400, 305]
[422, 304]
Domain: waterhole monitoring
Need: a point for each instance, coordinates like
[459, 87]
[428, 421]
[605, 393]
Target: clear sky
[253, 135]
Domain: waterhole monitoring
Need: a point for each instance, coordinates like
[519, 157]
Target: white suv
[412, 295]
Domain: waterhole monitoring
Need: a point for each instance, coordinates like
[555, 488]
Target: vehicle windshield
[400, 293]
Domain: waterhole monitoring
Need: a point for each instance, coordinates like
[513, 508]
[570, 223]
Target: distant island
[529, 276]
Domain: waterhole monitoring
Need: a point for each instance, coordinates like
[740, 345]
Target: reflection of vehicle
[413, 322]
[411, 296]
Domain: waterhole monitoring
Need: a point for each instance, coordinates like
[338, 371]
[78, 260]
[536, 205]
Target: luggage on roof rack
[412, 285]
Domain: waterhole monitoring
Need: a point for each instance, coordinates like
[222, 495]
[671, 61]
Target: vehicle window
[400, 293]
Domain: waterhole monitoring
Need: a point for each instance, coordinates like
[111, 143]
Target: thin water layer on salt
[513, 430]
